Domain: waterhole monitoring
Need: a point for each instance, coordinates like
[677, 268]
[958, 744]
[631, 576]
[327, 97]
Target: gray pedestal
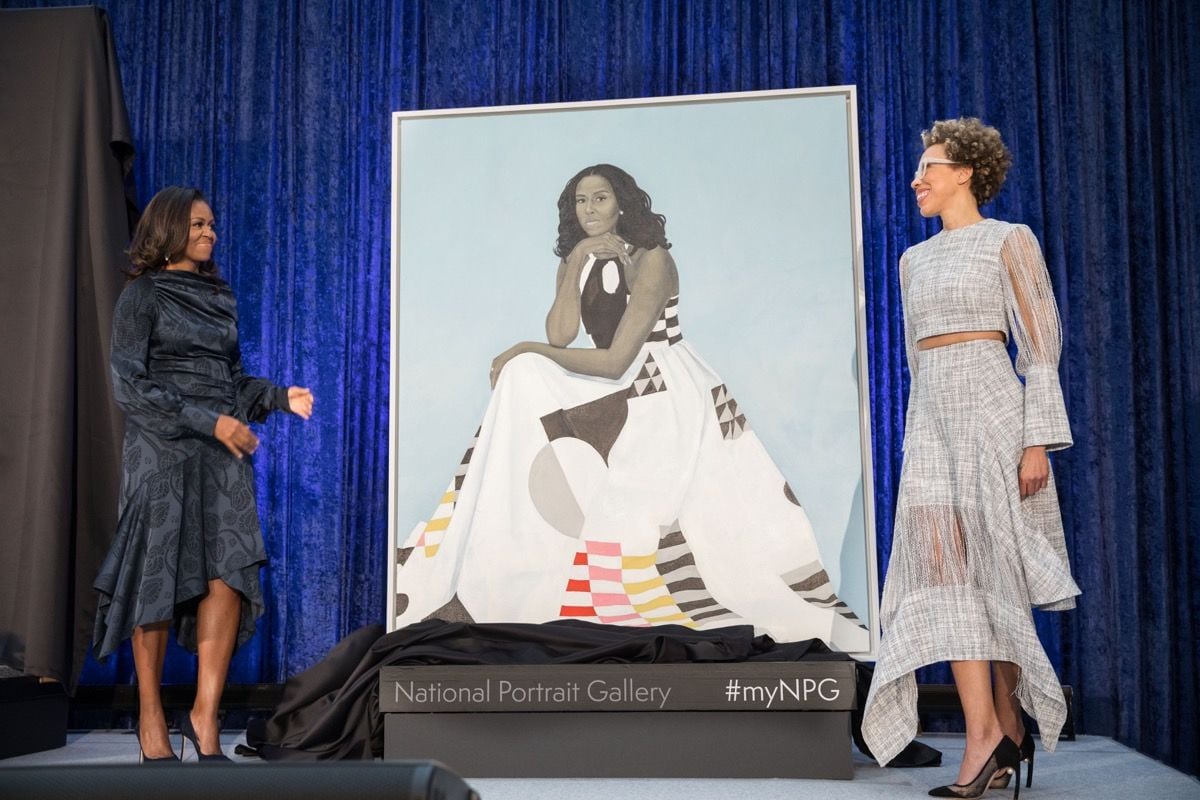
[632, 744]
[778, 720]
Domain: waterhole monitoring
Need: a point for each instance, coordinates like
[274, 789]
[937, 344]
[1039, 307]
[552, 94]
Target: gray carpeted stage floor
[1091, 767]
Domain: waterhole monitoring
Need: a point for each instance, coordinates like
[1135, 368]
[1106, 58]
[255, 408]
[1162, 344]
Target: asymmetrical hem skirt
[970, 558]
[187, 516]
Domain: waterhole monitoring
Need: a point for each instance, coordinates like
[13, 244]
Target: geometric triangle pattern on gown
[812, 583]
[732, 423]
[648, 380]
[434, 531]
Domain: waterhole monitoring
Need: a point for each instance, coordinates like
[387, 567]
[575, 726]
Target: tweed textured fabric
[187, 512]
[970, 557]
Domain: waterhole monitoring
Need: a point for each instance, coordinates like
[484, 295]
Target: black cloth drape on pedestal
[65, 149]
[331, 710]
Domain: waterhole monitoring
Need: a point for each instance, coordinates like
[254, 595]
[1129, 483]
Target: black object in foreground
[363, 780]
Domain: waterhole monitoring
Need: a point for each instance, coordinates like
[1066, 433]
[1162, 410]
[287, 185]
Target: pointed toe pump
[187, 732]
[151, 760]
[1027, 751]
[1004, 760]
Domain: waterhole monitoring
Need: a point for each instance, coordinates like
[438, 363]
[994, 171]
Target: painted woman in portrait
[619, 482]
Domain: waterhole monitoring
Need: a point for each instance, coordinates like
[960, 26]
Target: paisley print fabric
[187, 513]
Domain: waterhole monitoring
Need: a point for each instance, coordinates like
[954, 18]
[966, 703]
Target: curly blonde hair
[979, 146]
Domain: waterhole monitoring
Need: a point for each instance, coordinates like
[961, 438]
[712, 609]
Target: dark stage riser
[33, 716]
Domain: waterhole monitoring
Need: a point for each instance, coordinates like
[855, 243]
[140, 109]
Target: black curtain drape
[281, 112]
[65, 149]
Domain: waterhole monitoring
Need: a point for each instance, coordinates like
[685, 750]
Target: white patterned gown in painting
[644, 500]
[969, 556]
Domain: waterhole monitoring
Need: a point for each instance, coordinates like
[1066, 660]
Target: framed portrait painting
[628, 366]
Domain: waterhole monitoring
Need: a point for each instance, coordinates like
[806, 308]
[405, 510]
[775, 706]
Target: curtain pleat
[280, 111]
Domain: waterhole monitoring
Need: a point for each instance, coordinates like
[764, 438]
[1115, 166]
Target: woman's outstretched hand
[300, 401]
[235, 435]
[1033, 473]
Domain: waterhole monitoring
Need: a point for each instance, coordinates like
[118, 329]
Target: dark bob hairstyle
[638, 225]
[161, 235]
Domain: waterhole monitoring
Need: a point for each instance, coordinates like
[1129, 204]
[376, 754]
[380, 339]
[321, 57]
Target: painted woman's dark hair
[161, 234]
[638, 225]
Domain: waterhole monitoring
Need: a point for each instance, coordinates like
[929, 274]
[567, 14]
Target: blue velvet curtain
[280, 111]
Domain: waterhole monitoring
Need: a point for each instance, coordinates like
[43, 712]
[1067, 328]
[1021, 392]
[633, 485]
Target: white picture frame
[762, 197]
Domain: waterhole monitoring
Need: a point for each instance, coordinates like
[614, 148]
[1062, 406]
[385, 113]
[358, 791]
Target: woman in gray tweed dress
[978, 538]
[188, 547]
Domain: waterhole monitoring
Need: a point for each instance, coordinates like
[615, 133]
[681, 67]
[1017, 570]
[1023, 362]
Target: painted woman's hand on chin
[604, 247]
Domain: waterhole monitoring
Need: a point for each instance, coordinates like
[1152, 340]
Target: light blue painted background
[757, 198]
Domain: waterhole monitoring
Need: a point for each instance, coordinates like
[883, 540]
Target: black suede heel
[144, 759]
[188, 732]
[1005, 759]
[1027, 751]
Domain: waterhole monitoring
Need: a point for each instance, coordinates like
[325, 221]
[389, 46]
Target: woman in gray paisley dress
[188, 546]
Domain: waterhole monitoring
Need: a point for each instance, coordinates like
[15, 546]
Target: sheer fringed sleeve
[146, 402]
[1033, 319]
[910, 345]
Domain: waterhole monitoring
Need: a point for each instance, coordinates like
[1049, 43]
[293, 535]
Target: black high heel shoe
[152, 760]
[188, 732]
[1027, 751]
[1005, 758]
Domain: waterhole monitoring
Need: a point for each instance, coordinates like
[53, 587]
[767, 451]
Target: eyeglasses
[925, 162]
